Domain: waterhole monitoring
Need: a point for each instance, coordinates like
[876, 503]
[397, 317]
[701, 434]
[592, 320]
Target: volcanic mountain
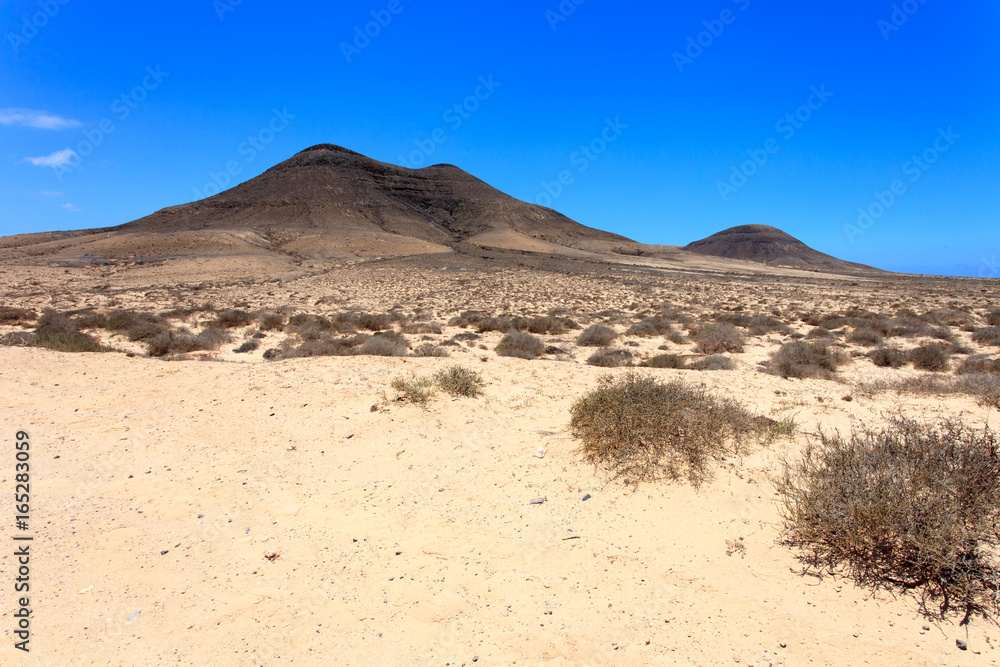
[771, 246]
[326, 195]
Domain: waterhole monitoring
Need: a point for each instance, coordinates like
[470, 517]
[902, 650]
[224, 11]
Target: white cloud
[57, 159]
[50, 193]
[70, 207]
[39, 119]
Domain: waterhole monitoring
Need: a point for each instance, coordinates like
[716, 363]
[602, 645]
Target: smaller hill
[771, 246]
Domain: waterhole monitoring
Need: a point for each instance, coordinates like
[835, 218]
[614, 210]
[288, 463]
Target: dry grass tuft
[907, 506]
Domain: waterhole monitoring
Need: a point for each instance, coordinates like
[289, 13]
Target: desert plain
[215, 507]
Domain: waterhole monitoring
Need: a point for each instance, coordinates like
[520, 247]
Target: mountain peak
[768, 245]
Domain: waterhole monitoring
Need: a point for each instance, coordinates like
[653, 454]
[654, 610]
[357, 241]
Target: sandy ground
[404, 535]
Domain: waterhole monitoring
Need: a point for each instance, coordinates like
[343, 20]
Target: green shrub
[905, 506]
[641, 429]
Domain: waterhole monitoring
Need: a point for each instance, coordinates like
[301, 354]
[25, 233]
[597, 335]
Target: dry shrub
[520, 345]
[716, 338]
[979, 363]
[906, 506]
[987, 336]
[459, 381]
[596, 335]
[865, 335]
[429, 350]
[651, 326]
[321, 347]
[271, 321]
[800, 359]
[125, 320]
[181, 342]
[665, 361]
[70, 341]
[18, 339]
[941, 333]
[610, 358]
[248, 346]
[231, 319]
[908, 326]
[929, 358]
[715, 362]
[502, 324]
[90, 320]
[984, 387]
[413, 389]
[887, 357]
[641, 429]
[383, 346]
[550, 325]
[12, 315]
[421, 328]
[467, 318]
[993, 318]
[819, 332]
[374, 322]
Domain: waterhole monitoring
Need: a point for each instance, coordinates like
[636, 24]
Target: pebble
[960, 643]
[587, 497]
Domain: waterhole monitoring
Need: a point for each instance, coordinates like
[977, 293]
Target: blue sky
[870, 131]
